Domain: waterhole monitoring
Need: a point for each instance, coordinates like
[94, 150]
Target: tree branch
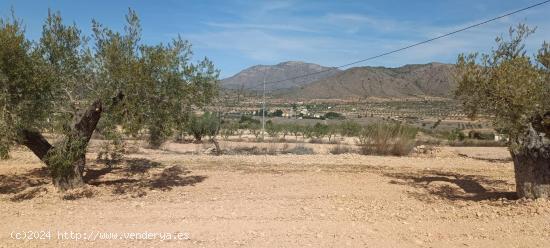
[35, 142]
[83, 129]
[88, 122]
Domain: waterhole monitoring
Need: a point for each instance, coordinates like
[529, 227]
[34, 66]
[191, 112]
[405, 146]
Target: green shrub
[111, 151]
[307, 131]
[350, 129]
[255, 129]
[295, 130]
[277, 113]
[481, 135]
[320, 130]
[206, 125]
[228, 129]
[246, 121]
[331, 132]
[272, 129]
[333, 116]
[284, 129]
[456, 134]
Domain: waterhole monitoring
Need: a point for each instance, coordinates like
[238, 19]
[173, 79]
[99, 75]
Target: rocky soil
[441, 199]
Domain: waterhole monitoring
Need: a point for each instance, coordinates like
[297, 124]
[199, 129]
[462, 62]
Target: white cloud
[280, 27]
[333, 38]
[362, 21]
[265, 46]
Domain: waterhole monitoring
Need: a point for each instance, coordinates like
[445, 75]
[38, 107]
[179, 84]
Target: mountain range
[252, 78]
[433, 79]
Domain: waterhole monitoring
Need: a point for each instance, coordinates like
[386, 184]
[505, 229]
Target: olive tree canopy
[512, 88]
[70, 85]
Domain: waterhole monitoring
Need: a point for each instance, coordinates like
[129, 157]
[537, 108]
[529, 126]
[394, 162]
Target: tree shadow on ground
[137, 176]
[491, 160]
[133, 176]
[128, 167]
[453, 186]
[25, 186]
[16, 183]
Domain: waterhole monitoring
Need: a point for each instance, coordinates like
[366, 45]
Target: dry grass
[387, 139]
[341, 149]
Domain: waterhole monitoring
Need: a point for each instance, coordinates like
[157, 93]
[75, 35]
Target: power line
[407, 47]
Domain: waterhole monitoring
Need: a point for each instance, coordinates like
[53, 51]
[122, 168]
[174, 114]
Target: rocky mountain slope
[252, 78]
[433, 79]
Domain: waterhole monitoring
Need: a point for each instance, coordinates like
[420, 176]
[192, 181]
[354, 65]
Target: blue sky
[238, 34]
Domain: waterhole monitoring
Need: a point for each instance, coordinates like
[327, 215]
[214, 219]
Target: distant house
[288, 113]
[500, 137]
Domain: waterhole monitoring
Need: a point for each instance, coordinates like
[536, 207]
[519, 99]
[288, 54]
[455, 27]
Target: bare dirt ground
[438, 200]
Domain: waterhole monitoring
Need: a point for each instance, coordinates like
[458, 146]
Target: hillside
[433, 79]
[252, 78]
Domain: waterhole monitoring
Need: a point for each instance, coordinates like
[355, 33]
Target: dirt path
[283, 201]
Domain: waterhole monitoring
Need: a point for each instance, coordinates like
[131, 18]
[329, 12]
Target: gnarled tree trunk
[217, 145]
[532, 163]
[66, 161]
[73, 178]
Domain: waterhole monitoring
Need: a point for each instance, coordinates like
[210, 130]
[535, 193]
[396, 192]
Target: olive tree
[66, 87]
[208, 124]
[272, 129]
[513, 89]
